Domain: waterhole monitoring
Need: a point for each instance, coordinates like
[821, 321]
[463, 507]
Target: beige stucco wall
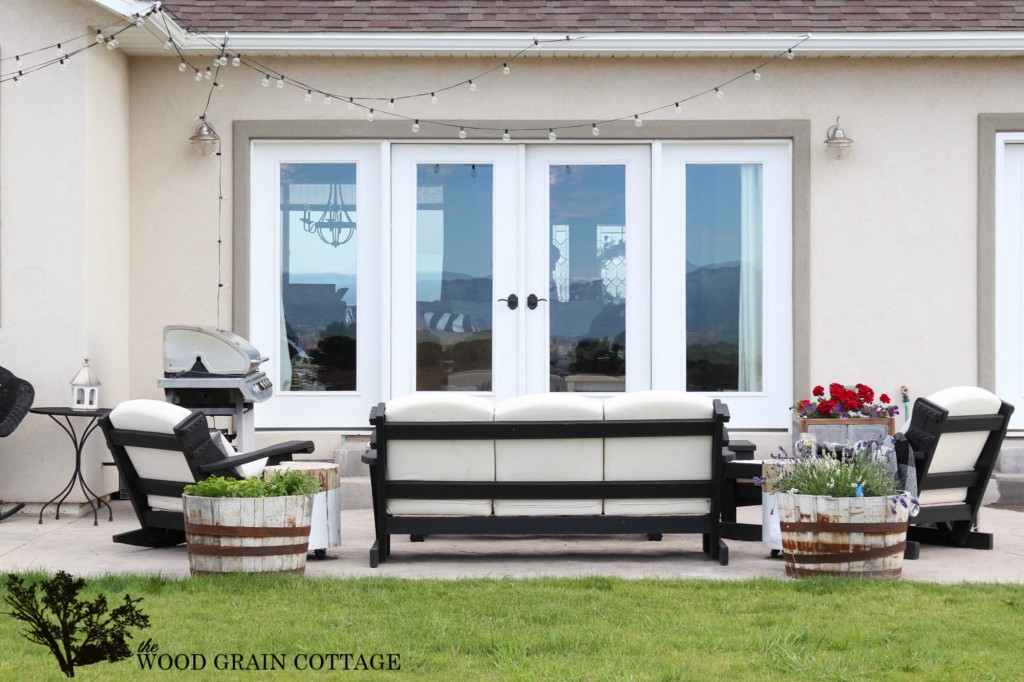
[63, 238]
[893, 227]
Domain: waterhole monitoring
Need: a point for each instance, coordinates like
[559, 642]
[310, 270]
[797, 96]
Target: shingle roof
[605, 16]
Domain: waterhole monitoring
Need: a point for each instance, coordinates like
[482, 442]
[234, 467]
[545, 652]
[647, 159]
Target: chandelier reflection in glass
[335, 226]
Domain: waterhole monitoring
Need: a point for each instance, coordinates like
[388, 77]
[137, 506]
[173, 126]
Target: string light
[60, 52]
[505, 70]
[63, 64]
[551, 134]
[182, 66]
[789, 53]
[369, 115]
[112, 43]
[391, 104]
[327, 99]
[637, 121]
[472, 85]
[720, 93]
[506, 137]
[266, 81]
[308, 96]
[99, 36]
[18, 79]
[168, 44]
[433, 98]
[199, 75]
[280, 82]
[679, 108]
[17, 63]
[462, 133]
[139, 21]
[594, 130]
[237, 61]
[757, 75]
[208, 74]
[219, 86]
[416, 126]
[351, 103]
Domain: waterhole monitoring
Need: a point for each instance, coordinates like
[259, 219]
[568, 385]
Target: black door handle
[532, 300]
[512, 300]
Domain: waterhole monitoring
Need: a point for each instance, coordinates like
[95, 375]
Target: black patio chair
[159, 448]
[16, 397]
[954, 437]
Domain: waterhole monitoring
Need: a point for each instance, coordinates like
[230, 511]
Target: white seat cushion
[440, 460]
[165, 465]
[569, 459]
[675, 458]
[959, 451]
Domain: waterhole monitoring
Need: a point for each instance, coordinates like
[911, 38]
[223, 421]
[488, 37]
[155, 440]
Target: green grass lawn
[562, 629]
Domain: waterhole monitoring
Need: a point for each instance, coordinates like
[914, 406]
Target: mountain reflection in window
[318, 280]
[454, 282]
[723, 277]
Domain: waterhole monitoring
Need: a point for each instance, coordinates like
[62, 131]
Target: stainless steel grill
[216, 372]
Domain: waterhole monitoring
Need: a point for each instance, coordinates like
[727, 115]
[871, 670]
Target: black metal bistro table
[78, 440]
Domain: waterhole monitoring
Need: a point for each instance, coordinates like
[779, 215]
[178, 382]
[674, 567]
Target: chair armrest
[903, 449]
[280, 452]
[370, 457]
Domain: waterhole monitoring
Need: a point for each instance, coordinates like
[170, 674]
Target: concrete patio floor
[75, 545]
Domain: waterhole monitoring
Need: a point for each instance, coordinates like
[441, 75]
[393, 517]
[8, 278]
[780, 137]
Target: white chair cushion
[440, 460]
[959, 451]
[158, 417]
[569, 459]
[682, 458]
[254, 468]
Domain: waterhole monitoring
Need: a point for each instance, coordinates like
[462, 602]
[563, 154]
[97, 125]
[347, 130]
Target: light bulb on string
[594, 130]
[369, 115]
[18, 79]
[505, 70]
[237, 61]
[168, 44]
[64, 64]
[140, 21]
[17, 63]
[472, 85]
[327, 100]
[391, 104]
[112, 43]
[199, 75]
[757, 75]
[308, 96]
[472, 170]
[462, 133]
[216, 61]
[223, 61]
[506, 137]
[99, 36]
[637, 121]
[679, 108]
[208, 74]
[265, 82]
[433, 98]
[416, 126]
[551, 134]
[280, 82]
[789, 53]
[182, 66]
[219, 86]
[60, 52]
[720, 93]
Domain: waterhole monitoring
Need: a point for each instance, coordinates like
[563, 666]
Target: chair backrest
[16, 397]
[159, 459]
[957, 430]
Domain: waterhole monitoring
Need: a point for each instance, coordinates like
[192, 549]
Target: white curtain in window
[750, 322]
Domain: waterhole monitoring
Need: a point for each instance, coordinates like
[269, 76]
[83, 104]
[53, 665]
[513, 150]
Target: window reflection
[723, 277]
[454, 284]
[587, 295]
[318, 280]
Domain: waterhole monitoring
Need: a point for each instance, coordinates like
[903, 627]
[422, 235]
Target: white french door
[510, 267]
[1009, 293]
[315, 280]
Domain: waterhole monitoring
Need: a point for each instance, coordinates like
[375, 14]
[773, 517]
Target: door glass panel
[454, 282]
[318, 277]
[587, 290]
[723, 277]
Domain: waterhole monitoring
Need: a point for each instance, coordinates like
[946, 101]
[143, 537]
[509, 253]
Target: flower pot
[247, 534]
[845, 430]
[859, 536]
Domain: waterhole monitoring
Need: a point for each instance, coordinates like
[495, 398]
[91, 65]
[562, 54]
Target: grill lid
[208, 349]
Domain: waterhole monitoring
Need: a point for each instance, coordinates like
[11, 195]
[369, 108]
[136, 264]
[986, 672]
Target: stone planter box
[844, 430]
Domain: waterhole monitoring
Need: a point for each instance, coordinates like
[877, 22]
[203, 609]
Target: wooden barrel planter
[858, 536]
[247, 534]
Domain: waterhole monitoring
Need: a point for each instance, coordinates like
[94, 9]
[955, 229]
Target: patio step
[1006, 490]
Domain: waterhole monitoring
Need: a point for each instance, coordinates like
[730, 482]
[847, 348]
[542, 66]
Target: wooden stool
[325, 529]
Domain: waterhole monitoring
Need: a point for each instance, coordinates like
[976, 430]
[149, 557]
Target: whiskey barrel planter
[247, 534]
[857, 536]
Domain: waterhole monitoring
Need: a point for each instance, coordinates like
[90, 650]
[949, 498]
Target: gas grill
[217, 373]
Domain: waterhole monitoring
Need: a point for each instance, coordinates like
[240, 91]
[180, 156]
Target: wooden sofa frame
[386, 524]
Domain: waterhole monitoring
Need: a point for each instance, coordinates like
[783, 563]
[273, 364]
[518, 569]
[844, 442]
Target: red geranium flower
[826, 406]
[818, 391]
[884, 398]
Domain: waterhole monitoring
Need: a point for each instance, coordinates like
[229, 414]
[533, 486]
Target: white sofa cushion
[440, 460]
[674, 458]
[158, 417]
[959, 451]
[569, 459]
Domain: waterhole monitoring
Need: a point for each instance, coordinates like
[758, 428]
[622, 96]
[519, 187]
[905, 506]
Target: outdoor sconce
[85, 389]
[837, 143]
[206, 139]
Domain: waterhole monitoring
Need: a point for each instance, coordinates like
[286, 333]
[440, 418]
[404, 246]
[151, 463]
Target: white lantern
[85, 389]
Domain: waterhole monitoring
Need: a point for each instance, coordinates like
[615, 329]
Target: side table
[78, 440]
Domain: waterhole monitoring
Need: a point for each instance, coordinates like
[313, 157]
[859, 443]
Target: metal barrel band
[846, 557]
[247, 531]
[268, 550]
[825, 527]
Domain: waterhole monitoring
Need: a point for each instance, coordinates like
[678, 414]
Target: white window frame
[1009, 278]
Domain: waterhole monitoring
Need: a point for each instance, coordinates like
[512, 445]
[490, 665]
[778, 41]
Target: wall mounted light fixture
[837, 143]
[206, 139]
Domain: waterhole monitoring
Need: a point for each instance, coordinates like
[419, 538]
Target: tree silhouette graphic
[78, 632]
